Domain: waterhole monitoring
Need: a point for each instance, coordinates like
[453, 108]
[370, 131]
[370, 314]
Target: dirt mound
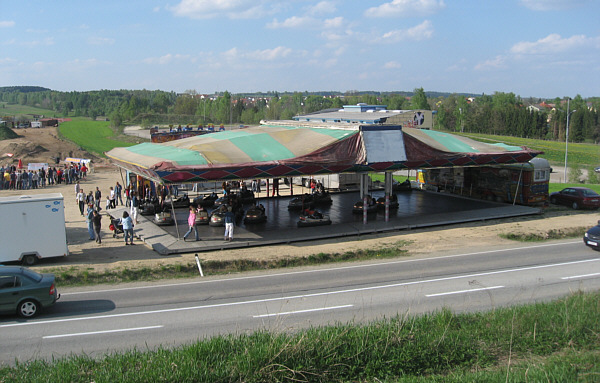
[7, 133]
[40, 145]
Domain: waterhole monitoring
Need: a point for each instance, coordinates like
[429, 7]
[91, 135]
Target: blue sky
[533, 48]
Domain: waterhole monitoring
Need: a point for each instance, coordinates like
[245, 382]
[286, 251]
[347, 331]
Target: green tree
[419, 100]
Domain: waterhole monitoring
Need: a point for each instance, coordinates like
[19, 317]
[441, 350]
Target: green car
[25, 292]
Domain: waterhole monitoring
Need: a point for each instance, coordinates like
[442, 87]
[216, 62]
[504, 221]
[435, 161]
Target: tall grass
[93, 136]
[556, 341]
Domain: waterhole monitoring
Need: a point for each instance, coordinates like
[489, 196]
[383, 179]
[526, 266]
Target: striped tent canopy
[291, 148]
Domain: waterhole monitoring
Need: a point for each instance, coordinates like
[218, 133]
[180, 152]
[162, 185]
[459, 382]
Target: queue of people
[13, 178]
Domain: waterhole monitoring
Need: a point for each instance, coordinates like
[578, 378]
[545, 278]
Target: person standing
[111, 198]
[134, 206]
[127, 223]
[97, 222]
[77, 187]
[80, 198]
[118, 193]
[192, 224]
[89, 220]
[229, 223]
[97, 197]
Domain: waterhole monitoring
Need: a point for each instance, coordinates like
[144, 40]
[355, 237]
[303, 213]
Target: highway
[104, 319]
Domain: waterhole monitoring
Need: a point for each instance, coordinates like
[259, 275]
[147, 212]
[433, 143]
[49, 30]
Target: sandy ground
[112, 253]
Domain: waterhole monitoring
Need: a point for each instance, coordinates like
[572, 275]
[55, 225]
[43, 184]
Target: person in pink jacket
[192, 224]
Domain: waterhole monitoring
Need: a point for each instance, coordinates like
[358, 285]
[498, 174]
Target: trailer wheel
[29, 260]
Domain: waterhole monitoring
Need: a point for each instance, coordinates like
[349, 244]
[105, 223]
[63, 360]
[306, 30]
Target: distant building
[372, 114]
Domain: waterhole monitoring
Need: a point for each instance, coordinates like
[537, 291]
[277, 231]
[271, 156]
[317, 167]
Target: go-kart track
[418, 209]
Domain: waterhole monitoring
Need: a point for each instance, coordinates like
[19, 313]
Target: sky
[533, 48]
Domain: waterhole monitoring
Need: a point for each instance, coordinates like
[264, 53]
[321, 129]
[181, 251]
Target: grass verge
[79, 276]
[556, 341]
[572, 232]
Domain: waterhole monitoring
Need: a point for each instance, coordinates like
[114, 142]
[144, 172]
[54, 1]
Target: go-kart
[246, 196]
[402, 186]
[183, 201]
[207, 200]
[163, 218]
[202, 217]
[300, 202]
[393, 202]
[255, 214]
[313, 218]
[150, 207]
[371, 206]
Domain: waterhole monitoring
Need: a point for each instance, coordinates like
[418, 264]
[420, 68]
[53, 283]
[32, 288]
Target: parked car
[597, 170]
[577, 198]
[25, 292]
[592, 237]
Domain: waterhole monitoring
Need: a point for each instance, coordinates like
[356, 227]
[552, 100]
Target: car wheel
[29, 260]
[575, 205]
[28, 308]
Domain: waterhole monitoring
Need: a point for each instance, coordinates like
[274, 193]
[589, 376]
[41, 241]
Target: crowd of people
[14, 178]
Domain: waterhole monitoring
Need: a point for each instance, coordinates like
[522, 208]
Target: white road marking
[325, 293]
[581, 276]
[464, 291]
[319, 270]
[302, 311]
[100, 332]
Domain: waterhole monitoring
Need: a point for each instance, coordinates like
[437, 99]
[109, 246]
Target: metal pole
[567, 139]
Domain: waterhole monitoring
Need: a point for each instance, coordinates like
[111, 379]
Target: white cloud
[406, 8]
[291, 22]
[233, 9]
[7, 24]
[168, 59]
[321, 8]
[392, 65]
[423, 31]
[553, 44]
[499, 62]
[336, 22]
[100, 41]
[552, 5]
[258, 55]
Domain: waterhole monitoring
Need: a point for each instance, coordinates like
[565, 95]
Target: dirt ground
[112, 253]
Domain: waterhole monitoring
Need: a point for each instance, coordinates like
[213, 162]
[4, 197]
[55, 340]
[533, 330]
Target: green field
[93, 136]
[582, 155]
[15, 110]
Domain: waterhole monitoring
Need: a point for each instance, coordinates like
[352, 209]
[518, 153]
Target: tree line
[500, 113]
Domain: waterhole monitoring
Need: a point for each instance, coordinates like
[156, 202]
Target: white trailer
[33, 227]
[341, 181]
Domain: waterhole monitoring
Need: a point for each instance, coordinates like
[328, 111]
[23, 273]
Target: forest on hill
[499, 114]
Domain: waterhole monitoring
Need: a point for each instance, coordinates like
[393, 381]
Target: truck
[33, 227]
[341, 181]
[524, 183]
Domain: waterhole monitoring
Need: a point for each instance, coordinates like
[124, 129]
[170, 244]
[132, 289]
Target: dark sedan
[577, 198]
[592, 237]
[25, 292]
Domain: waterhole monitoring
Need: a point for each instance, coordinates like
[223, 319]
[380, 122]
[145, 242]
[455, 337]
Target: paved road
[98, 320]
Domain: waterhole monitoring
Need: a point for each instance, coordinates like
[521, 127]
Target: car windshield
[32, 274]
[590, 193]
